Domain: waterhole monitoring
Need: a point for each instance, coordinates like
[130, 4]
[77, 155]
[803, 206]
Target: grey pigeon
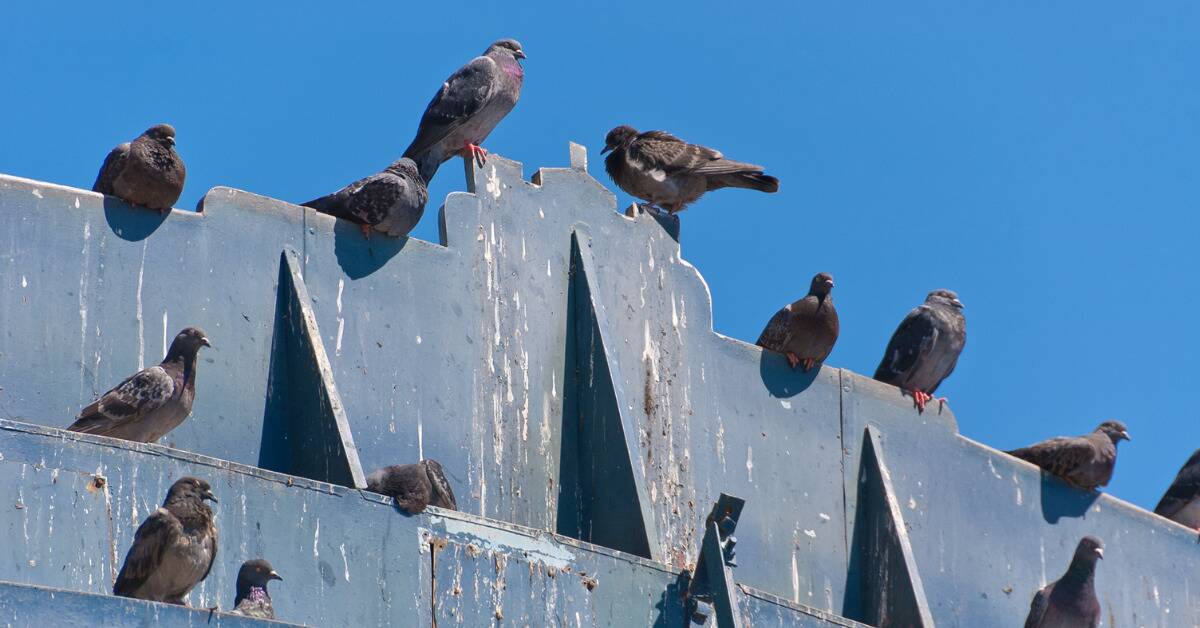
[467, 107]
[391, 201]
[1070, 601]
[805, 330]
[1084, 462]
[152, 401]
[146, 171]
[1181, 503]
[666, 171]
[252, 598]
[174, 548]
[414, 486]
[924, 349]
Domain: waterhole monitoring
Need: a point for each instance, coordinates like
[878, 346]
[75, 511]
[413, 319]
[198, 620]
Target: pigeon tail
[427, 163]
[331, 205]
[750, 181]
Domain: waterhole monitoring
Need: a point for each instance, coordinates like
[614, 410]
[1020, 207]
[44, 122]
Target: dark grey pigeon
[666, 171]
[414, 486]
[146, 172]
[252, 598]
[1084, 462]
[152, 401]
[391, 201]
[924, 349]
[1070, 601]
[806, 330]
[174, 548]
[467, 107]
[1181, 503]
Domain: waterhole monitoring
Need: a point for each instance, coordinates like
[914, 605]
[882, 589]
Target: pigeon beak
[171, 141]
[520, 54]
[829, 283]
[209, 496]
[1100, 553]
[606, 149]
[274, 575]
[1125, 435]
[204, 341]
[958, 304]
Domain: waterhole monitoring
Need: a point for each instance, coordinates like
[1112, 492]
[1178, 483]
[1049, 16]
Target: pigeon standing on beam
[391, 201]
[1085, 462]
[1070, 601]
[666, 171]
[414, 486]
[1181, 503]
[467, 107]
[806, 330]
[252, 599]
[174, 548]
[146, 172]
[925, 347]
[152, 401]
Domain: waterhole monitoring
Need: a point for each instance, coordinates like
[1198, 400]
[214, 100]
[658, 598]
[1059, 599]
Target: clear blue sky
[1042, 161]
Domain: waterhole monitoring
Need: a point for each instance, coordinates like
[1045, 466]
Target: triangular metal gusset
[711, 589]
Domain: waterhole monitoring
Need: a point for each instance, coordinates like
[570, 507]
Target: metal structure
[557, 357]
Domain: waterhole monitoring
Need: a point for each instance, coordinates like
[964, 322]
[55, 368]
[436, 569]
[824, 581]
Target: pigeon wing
[659, 150]
[131, 400]
[373, 197]
[443, 495]
[1060, 456]
[775, 335]
[461, 96]
[912, 338]
[1037, 608]
[1183, 490]
[150, 543]
[211, 543]
[114, 163]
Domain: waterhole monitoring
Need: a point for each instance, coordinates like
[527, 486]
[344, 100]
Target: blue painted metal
[711, 590]
[598, 404]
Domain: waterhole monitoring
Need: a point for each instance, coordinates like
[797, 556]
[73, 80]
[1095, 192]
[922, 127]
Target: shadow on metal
[131, 223]
[780, 379]
[305, 430]
[359, 256]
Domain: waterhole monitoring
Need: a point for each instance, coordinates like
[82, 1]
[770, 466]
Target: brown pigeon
[1181, 502]
[666, 171]
[467, 107]
[1084, 462]
[174, 548]
[1070, 601]
[152, 401]
[806, 330]
[146, 172]
[414, 486]
[924, 349]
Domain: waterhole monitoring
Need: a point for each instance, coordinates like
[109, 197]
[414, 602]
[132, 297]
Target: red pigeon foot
[920, 399]
[366, 231]
[808, 364]
[479, 153]
[792, 359]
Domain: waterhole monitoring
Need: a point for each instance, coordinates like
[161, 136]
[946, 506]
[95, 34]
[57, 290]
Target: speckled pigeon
[1070, 601]
[414, 486]
[1181, 503]
[252, 599]
[924, 349]
[174, 548]
[391, 201]
[666, 171]
[146, 172]
[467, 107]
[152, 401]
[806, 330]
[1084, 462]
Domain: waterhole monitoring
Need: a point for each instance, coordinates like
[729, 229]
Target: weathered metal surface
[472, 351]
[711, 592]
[26, 605]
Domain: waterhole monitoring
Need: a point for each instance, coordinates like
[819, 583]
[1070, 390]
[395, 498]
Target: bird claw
[793, 359]
[809, 363]
[366, 231]
[920, 398]
[476, 152]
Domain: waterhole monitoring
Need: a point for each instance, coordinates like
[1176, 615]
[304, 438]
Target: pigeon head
[1115, 430]
[822, 284]
[506, 47]
[190, 488]
[619, 137]
[1089, 550]
[187, 343]
[256, 573]
[405, 167]
[944, 297]
[162, 134]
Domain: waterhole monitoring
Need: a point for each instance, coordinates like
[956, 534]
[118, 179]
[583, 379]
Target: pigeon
[667, 172]
[805, 330]
[925, 347]
[174, 548]
[1181, 503]
[1070, 601]
[391, 201]
[1084, 462]
[152, 401]
[467, 107]
[252, 598]
[146, 172]
[414, 486]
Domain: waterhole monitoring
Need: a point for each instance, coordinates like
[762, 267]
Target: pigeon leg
[366, 231]
[920, 399]
[793, 359]
[809, 363]
[476, 152]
